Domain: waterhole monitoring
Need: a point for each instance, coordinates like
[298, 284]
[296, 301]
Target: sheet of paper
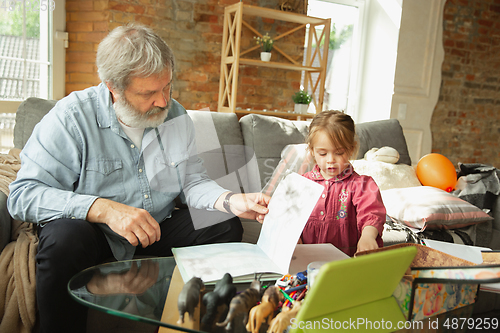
[304, 254]
[289, 209]
[466, 252]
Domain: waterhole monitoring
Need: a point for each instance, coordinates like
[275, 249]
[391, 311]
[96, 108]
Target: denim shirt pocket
[104, 178]
[169, 172]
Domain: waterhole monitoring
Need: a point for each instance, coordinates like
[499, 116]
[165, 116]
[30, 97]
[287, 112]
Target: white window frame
[357, 54]
[58, 68]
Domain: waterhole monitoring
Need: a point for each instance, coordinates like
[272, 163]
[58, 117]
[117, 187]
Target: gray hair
[132, 51]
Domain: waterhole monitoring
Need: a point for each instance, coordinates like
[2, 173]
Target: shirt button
[146, 196]
[323, 195]
[132, 146]
[322, 213]
[172, 164]
[140, 170]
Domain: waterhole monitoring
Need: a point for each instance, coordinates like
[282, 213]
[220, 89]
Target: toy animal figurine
[282, 320]
[241, 304]
[189, 298]
[258, 314]
[223, 292]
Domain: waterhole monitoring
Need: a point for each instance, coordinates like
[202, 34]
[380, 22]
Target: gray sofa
[249, 149]
[240, 154]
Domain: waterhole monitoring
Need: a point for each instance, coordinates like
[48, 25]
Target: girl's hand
[368, 239]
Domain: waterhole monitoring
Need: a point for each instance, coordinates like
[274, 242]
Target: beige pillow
[387, 175]
[384, 154]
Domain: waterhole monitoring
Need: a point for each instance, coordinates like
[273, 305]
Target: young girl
[350, 213]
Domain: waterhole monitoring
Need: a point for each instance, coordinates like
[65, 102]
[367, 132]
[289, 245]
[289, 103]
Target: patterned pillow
[429, 207]
[295, 158]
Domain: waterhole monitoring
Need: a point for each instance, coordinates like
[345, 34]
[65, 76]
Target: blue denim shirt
[79, 152]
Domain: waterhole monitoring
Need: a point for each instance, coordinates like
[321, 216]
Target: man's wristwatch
[225, 203]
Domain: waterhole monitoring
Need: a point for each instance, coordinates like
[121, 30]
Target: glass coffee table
[145, 290]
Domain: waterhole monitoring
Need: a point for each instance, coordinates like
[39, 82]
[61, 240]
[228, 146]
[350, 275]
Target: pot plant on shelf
[266, 44]
[301, 99]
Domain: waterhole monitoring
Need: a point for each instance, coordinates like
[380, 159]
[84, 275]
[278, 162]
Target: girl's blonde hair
[339, 127]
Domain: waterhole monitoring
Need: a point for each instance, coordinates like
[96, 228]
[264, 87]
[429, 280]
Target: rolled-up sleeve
[50, 170]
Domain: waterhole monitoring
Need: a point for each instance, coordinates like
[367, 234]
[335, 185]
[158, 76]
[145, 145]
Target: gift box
[437, 282]
[419, 300]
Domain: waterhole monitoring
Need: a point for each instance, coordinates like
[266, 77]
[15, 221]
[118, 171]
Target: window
[363, 55]
[340, 84]
[31, 59]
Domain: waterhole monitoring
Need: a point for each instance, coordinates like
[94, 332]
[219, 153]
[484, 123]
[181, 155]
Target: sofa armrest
[5, 222]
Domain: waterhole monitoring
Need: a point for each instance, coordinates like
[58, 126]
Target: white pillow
[387, 175]
[429, 207]
[384, 154]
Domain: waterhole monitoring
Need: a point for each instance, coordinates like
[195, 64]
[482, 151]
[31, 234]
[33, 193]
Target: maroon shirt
[348, 203]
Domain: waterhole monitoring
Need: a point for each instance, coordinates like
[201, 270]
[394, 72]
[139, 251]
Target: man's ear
[114, 92]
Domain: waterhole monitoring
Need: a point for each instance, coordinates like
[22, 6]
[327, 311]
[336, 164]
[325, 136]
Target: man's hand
[250, 206]
[134, 224]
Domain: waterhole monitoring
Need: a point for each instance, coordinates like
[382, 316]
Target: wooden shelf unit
[231, 55]
[281, 114]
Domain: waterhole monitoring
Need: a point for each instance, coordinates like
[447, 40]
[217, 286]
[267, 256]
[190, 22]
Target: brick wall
[466, 121]
[86, 23]
[193, 29]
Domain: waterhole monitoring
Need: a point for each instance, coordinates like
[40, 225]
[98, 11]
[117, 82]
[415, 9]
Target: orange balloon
[436, 170]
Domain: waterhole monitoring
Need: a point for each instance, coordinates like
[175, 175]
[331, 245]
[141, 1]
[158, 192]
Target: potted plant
[301, 99]
[266, 44]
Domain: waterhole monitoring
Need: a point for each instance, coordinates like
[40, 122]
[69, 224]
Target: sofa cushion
[267, 136]
[219, 143]
[380, 133]
[29, 113]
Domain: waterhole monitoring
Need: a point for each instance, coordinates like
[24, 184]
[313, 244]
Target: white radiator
[7, 121]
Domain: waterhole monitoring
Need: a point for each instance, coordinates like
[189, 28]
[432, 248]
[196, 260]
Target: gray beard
[130, 116]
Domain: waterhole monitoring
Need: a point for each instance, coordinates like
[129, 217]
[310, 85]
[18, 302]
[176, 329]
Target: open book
[289, 210]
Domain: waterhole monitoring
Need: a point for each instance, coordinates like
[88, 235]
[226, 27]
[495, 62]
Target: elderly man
[101, 171]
